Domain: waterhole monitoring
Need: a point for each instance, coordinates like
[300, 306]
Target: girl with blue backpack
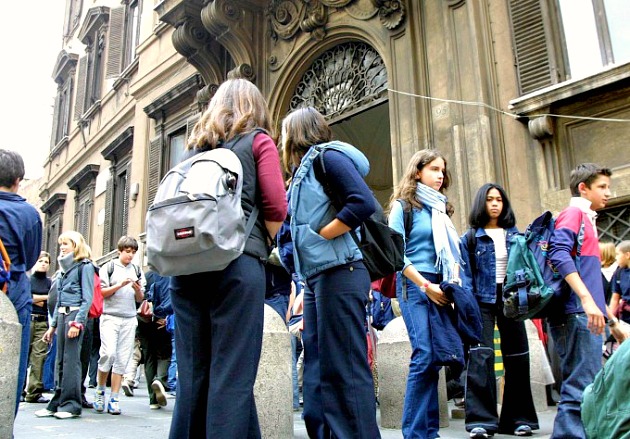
[339, 399]
[485, 248]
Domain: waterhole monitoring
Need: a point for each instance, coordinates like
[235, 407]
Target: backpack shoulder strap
[253, 216]
[138, 271]
[407, 217]
[5, 254]
[110, 270]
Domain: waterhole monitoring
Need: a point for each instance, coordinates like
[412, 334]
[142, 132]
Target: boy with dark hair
[21, 234]
[122, 284]
[577, 324]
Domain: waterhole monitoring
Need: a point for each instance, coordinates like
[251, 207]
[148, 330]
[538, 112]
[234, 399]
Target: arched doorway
[348, 85]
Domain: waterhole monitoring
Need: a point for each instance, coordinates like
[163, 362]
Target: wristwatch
[612, 322]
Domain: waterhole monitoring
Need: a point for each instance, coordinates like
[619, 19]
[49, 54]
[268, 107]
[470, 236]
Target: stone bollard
[540, 370]
[273, 389]
[394, 352]
[10, 334]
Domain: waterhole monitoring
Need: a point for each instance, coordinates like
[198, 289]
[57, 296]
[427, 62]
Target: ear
[582, 187]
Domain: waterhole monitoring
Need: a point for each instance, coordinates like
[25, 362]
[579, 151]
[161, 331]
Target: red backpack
[96, 309]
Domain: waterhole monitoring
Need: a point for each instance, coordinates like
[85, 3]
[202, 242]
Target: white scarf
[445, 238]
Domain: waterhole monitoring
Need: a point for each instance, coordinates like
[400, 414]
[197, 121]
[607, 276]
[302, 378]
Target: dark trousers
[338, 389]
[86, 348]
[218, 337]
[156, 350]
[24, 318]
[67, 397]
[94, 352]
[481, 389]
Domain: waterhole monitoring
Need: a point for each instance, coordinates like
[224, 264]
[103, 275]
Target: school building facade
[496, 85]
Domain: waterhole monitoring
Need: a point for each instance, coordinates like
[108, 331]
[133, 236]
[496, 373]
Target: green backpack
[605, 404]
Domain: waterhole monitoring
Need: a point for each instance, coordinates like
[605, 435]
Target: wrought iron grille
[343, 78]
[614, 224]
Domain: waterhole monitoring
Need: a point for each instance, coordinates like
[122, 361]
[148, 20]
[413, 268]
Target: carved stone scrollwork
[391, 13]
[189, 38]
[315, 20]
[286, 17]
[244, 71]
[217, 15]
[205, 94]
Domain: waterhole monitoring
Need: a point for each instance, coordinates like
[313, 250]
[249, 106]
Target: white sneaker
[127, 388]
[44, 413]
[160, 393]
[65, 415]
[155, 406]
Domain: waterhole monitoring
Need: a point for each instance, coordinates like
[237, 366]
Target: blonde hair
[81, 249]
[406, 187]
[607, 253]
[236, 108]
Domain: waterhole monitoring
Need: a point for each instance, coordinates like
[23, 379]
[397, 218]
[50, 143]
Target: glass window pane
[618, 16]
[578, 22]
[176, 148]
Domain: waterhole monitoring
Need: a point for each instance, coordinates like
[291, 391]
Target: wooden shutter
[115, 42]
[190, 124]
[155, 157]
[109, 207]
[55, 124]
[534, 63]
[126, 181]
[52, 235]
[79, 104]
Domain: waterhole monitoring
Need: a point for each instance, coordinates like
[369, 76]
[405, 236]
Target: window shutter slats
[125, 206]
[115, 42]
[54, 138]
[155, 154]
[531, 45]
[107, 226]
[81, 85]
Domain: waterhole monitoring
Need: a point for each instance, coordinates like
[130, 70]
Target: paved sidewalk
[137, 421]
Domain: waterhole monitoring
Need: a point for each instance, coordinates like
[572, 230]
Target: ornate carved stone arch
[345, 77]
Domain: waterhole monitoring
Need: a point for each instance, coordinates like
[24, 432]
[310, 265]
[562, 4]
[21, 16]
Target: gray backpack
[196, 222]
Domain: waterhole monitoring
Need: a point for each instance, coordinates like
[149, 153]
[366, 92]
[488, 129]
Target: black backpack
[381, 246]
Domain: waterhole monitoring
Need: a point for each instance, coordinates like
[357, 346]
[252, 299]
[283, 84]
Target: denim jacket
[72, 291]
[483, 282]
[311, 209]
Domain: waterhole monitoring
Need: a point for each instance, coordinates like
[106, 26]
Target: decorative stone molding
[540, 127]
[391, 13]
[244, 71]
[287, 17]
[205, 94]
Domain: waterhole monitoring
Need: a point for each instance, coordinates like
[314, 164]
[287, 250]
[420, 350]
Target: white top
[500, 252]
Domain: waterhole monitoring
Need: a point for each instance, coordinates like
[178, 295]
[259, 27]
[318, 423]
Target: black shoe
[85, 404]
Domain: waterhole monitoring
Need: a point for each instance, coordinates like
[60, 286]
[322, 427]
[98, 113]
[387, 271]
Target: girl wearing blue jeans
[431, 255]
[492, 223]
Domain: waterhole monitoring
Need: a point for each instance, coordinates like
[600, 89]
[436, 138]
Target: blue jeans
[338, 390]
[49, 365]
[421, 417]
[172, 368]
[294, 374]
[218, 333]
[24, 318]
[580, 355]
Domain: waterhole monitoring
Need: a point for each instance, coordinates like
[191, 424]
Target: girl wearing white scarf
[431, 255]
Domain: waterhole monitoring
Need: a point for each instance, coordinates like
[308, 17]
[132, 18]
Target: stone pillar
[10, 335]
[273, 389]
[394, 352]
[539, 367]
